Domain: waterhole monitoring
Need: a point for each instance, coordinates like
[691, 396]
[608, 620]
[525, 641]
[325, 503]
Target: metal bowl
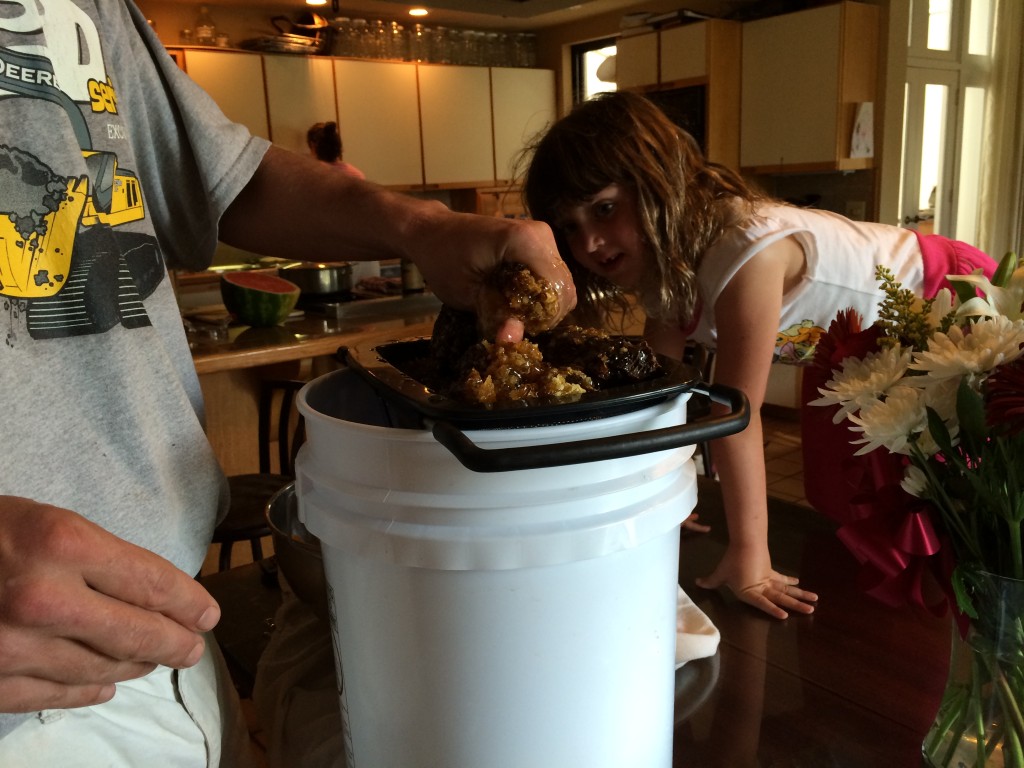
[297, 551]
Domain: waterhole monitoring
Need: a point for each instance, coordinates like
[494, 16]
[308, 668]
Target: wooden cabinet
[708, 54]
[636, 60]
[235, 81]
[455, 121]
[677, 64]
[404, 125]
[379, 120]
[803, 76]
[523, 103]
[300, 92]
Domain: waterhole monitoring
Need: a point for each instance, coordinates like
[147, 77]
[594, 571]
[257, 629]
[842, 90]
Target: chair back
[276, 408]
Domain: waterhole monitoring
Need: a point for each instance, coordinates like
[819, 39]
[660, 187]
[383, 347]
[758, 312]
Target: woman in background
[325, 144]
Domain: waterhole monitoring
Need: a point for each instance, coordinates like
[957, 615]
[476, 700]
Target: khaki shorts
[172, 718]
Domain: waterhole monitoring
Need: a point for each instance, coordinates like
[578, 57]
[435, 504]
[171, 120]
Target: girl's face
[603, 235]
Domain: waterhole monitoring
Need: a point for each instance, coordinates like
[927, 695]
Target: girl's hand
[770, 591]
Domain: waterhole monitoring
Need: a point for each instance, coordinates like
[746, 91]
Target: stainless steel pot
[297, 551]
[319, 279]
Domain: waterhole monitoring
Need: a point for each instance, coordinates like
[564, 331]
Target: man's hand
[81, 609]
[458, 252]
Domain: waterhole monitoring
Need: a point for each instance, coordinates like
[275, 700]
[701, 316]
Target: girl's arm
[747, 317]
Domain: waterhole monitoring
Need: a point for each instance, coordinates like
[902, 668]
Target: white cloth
[696, 636]
[296, 691]
[187, 718]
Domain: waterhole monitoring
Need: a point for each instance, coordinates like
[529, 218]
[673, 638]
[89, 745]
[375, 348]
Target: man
[114, 166]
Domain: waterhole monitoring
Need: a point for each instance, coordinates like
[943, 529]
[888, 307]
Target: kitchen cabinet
[693, 72]
[405, 125]
[523, 103]
[804, 75]
[636, 60]
[300, 92]
[455, 122]
[379, 120]
[234, 80]
[707, 54]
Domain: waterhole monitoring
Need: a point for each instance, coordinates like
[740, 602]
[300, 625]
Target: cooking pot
[390, 369]
[320, 280]
[308, 24]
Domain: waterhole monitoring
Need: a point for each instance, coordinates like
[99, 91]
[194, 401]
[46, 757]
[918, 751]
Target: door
[928, 158]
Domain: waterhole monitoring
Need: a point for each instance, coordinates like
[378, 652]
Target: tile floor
[783, 461]
[784, 467]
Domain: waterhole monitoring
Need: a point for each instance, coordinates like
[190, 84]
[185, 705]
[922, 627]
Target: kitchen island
[231, 359]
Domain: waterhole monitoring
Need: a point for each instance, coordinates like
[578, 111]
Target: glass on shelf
[419, 43]
[341, 46]
[398, 43]
[441, 46]
[357, 36]
[206, 29]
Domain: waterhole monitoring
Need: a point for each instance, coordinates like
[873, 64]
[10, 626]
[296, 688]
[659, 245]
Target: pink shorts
[942, 256]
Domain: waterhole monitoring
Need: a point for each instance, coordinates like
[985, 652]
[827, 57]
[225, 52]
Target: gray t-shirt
[114, 166]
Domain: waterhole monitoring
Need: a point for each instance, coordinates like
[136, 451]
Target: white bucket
[522, 619]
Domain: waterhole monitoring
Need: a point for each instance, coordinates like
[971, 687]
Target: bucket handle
[478, 459]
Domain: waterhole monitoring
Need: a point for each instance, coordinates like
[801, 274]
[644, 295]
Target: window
[946, 100]
[593, 68]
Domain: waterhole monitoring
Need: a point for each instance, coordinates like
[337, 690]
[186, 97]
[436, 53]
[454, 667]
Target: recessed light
[418, 12]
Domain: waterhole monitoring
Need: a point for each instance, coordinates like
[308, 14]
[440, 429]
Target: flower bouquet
[939, 384]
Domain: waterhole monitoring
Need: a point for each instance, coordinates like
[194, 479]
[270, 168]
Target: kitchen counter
[220, 345]
[231, 359]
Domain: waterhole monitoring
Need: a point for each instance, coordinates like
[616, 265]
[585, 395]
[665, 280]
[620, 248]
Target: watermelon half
[257, 298]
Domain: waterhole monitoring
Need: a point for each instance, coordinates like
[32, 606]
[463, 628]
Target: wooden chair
[246, 518]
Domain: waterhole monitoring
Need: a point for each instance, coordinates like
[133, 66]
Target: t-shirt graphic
[65, 267]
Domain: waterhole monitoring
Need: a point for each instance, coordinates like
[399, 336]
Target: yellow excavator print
[36, 266]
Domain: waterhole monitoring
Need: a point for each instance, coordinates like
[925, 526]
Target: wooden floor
[855, 685]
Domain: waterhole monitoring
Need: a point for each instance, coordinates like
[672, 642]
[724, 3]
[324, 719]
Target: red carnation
[845, 338]
[1004, 397]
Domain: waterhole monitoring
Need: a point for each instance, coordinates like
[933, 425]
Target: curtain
[1001, 225]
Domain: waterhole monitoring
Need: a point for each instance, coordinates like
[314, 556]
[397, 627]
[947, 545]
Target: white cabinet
[403, 124]
[803, 76]
[300, 92]
[455, 121]
[235, 81]
[636, 60]
[523, 102]
[379, 120]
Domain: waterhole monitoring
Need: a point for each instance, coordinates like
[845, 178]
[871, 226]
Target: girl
[638, 214]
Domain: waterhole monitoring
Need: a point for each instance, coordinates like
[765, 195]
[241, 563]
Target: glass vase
[980, 722]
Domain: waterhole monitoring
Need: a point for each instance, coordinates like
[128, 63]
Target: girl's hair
[683, 201]
[325, 141]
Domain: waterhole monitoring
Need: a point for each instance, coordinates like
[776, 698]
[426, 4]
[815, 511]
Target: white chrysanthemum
[861, 382]
[892, 422]
[988, 343]
[915, 481]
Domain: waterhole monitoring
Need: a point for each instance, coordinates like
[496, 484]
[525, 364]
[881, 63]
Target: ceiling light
[316, 2]
[418, 11]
